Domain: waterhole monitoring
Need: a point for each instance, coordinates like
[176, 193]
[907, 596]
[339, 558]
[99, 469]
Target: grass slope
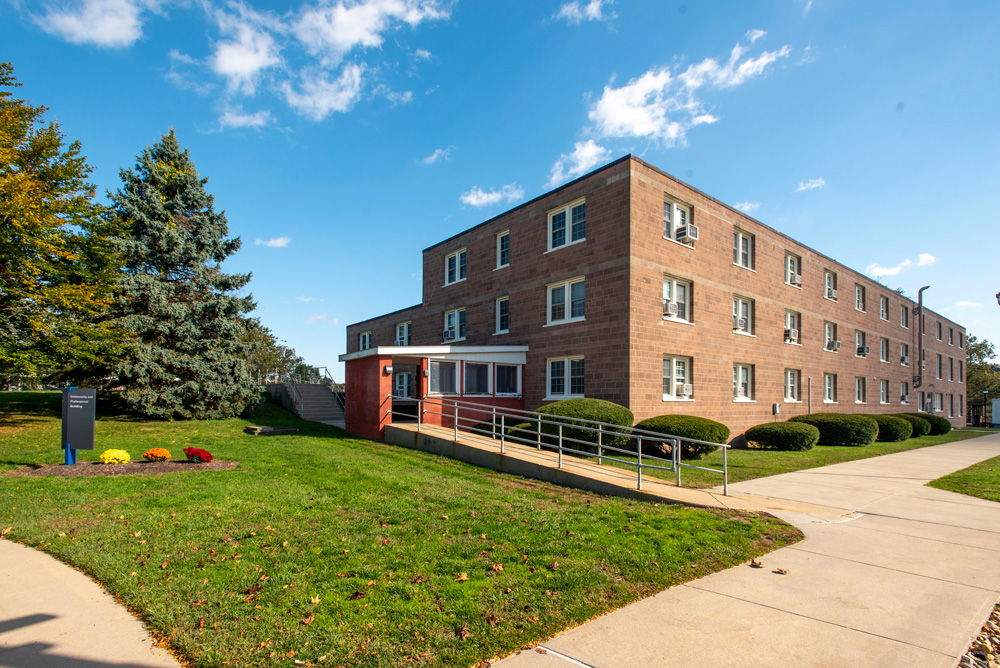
[981, 480]
[320, 545]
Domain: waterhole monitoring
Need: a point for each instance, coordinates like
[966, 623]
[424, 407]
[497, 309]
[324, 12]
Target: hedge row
[688, 426]
[892, 428]
[841, 428]
[792, 436]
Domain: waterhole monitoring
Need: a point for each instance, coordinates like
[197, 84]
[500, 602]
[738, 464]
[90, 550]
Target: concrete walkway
[52, 616]
[891, 574]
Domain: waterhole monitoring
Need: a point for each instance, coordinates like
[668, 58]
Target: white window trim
[903, 308]
[826, 340]
[752, 398]
[902, 347]
[496, 315]
[883, 384]
[882, 299]
[489, 380]
[751, 254]
[458, 380]
[738, 300]
[458, 266]
[829, 284]
[788, 275]
[567, 286]
[567, 380]
[860, 342]
[860, 292]
[568, 208]
[833, 386]
[674, 225]
[864, 390]
[798, 386]
[456, 311]
[408, 324]
[798, 328]
[673, 291]
[498, 235]
[507, 394]
[365, 340]
[673, 361]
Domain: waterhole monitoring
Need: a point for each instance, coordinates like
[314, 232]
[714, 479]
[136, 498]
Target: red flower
[197, 455]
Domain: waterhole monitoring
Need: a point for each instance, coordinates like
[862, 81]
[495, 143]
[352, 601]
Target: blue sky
[342, 138]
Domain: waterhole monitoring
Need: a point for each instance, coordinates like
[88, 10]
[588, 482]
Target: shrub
[892, 428]
[793, 436]
[113, 456]
[197, 455]
[921, 427]
[587, 409]
[157, 455]
[939, 425]
[841, 428]
[689, 426]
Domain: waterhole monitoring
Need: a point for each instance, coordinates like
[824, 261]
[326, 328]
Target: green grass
[324, 545]
[748, 464]
[981, 480]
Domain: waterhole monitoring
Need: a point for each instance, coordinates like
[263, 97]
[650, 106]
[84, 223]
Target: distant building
[632, 286]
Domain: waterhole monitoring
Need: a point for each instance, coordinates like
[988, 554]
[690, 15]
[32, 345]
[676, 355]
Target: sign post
[78, 413]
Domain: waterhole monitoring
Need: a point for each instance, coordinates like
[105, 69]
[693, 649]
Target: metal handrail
[641, 436]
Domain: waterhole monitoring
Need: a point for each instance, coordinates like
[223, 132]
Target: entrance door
[403, 384]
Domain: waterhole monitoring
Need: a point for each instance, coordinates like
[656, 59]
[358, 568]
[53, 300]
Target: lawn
[332, 550]
[981, 480]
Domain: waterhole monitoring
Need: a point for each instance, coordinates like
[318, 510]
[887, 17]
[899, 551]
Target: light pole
[985, 392]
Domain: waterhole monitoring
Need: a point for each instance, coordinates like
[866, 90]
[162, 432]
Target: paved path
[891, 574]
[52, 616]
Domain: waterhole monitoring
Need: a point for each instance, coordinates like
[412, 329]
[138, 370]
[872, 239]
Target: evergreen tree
[186, 352]
[56, 265]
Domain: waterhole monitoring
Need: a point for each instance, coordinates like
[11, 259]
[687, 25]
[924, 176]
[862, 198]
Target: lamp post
[985, 392]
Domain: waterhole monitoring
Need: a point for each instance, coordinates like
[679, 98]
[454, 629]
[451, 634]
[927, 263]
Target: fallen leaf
[309, 620]
[314, 600]
[554, 566]
[482, 536]
[290, 654]
[463, 632]
[462, 577]
[6, 531]
[497, 567]
[540, 650]
[226, 538]
[780, 571]
[198, 603]
[252, 589]
[61, 535]
[755, 564]
[444, 517]
[137, 534]
[284, 544]
[164, 564]
[356, 595]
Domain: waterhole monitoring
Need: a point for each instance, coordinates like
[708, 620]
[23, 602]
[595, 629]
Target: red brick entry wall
[366, 413]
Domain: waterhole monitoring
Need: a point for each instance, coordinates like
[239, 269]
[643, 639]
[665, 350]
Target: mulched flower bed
[132, 468]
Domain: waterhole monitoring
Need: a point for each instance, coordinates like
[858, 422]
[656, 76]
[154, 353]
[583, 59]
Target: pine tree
[185, 355]
[56, 267]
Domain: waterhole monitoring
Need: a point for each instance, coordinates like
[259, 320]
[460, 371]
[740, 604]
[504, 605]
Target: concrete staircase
[318, 403]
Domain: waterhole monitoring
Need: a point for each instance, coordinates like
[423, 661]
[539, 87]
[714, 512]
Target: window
[566, 301]
[859, 297]
[676, 218]
[567, 224]
[364, 340]
[830, 341]
[454, 325]
[904, 316]
[961, 340]
[951, 369]
[677, 378]
[904, 392]
[830, 285]
[402, 384]
[443, 377]
[793, 269]
[454, 267]
[951, 336]
[503, 249]
[829, 388]
[793, 327]
[743, 249]
[951, 405]
[477, 378]
[860, 343]
[859, 390]
[507, 379]
[883, 307]
[883, 391]
[403, 333]
[565, 377]
[939, 365]
[921, 406]
[503, 315]
[904, 354]
[742, 315]
[961, 376]
[961, 402]
[938, 402]
[939, 331]
[742, 382]
[792, 384]
[883, 349]
[676, 299]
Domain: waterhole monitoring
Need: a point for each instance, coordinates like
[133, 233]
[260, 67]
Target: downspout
[918, 379]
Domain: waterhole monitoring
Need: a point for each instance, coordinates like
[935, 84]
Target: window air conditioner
[739, 323]
[448, 334]
[688, 389]
[831, 293]
[791, 335]
[905, 359]
[399, 342]
[796, 279]
[679, 390]
[740, 392]
[863, 350]
[670, 308]
[833, 345]
[905, 399]
[687, 233]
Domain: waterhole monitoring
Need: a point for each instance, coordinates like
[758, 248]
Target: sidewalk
[52, 616]
[896, 574]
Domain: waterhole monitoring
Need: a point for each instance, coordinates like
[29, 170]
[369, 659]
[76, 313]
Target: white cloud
[755, 34]
[806, 6]
[394, 96]
[574, 13]
[747, 207]
[963, 305]
[334, 30]
[422, 54]
[249, 49]
[478, 197]
[664, 106]
[316, 318]
[923, 260]
[318, 97]
[438, 155]
[811, 184]
[585, 156]
[277, 242]
[303, 298]
[235, 118]
[112, 24]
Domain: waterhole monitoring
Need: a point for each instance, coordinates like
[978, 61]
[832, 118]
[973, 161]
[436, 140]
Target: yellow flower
[114, 456]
